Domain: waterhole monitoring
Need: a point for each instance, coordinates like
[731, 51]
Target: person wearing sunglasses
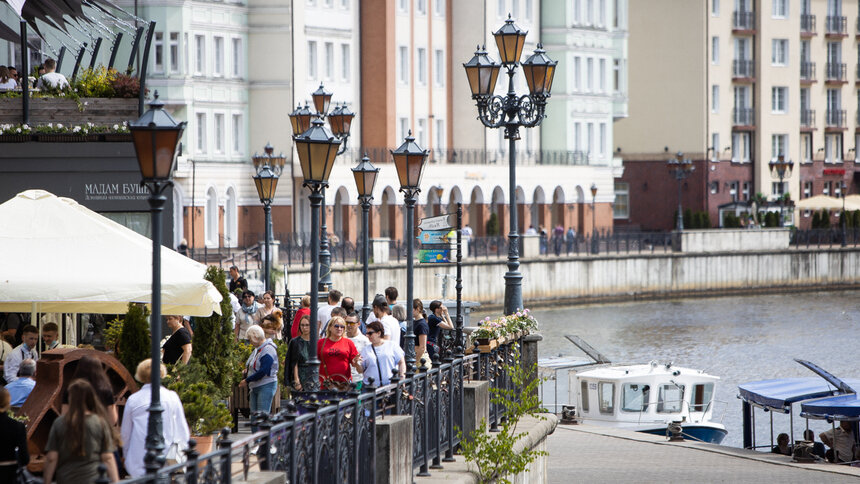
[337, 353]
[380, 357]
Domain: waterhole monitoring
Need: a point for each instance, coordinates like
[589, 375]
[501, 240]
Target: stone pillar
[530, 352]
[476, 405]
[394, 449]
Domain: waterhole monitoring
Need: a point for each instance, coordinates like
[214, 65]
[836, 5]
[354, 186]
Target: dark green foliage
[493, 225]
[688, 219]
[771, 219]
[816, 220]
[824, 221]
[706, 220]
[855, 217]
[198, 396]
[731, 221]
[213, 345]
[134, 341]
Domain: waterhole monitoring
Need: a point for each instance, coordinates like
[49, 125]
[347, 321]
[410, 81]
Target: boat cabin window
[584, 392]
[606, 396]
[702, 395]
[671, 398]
[634, 397]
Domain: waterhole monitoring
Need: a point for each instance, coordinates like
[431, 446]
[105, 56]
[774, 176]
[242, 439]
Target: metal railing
[807, 23]
[836, 25]
[807, 71]
[330, 436]
[807, 118]
[743, 69]
[742, 20]
[825, 237]
[480, 156]
[835, 118]
[743, 117]
[835, 71]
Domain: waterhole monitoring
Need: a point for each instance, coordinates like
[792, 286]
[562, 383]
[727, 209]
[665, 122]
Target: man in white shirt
[26, 350]
[358, 339]
[383, 315]
[324, 312]
[51, 79]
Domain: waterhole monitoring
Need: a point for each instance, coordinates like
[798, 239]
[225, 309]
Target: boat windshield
[634, 397]
[702, 395]
[671, 398]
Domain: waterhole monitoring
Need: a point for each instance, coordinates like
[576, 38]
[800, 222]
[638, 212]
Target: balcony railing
[836, 25]
[807, 118]
[835, 118]
[743, 117]
[807, 71]
[526, 157]
[743, 68]
[835, 72]
[807, 23]
[743, 20]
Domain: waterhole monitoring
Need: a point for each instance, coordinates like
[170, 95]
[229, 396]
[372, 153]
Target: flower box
[15, 138]
[68, 112]
[60, 138]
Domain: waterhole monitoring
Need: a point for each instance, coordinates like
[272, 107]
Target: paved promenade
[582, 453]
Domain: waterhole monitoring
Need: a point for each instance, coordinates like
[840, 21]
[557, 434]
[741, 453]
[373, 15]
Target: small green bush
[493, 225]
[134, 341]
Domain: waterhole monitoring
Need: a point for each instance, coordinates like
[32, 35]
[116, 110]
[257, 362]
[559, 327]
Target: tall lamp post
[340, 121]
[317, 148]
[781, 169]
[156, 138]
[365, 179]
[595, 242]
[842, 220]
[511, 111]
[268, 168]
[409, 161]
[680, 168]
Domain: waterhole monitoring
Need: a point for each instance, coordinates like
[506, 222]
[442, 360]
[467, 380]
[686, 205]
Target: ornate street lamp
[365, 179]
[680, 168]
[595, 242]
[780, 168]
[409, 160]
[317, 148]
[156, 138]
[269, 169]
[511, 111]
[340, 121]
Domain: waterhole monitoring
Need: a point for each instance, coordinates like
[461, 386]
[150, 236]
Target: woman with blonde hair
[336, 354]
[80, 439]
[6, 80]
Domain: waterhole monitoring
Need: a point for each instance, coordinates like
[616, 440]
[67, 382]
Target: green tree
[214, 345]
[816, 220]
[134, 341]
[688, 219]
[825, 219]
[706, 220]
[494, 455]
[493, 225]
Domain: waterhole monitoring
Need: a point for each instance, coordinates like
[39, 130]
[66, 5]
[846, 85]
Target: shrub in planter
[203, 412]
[134, 341]
[214, 346]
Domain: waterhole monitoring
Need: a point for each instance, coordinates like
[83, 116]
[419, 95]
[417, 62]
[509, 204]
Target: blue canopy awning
[840, 407]
[780, 393]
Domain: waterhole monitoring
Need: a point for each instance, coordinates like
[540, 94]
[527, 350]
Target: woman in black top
[298, 372]
[437, 320]
[14, 437]
[91, 370]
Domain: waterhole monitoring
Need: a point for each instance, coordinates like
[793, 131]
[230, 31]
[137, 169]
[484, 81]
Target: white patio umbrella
[57, 256]
[819, 202]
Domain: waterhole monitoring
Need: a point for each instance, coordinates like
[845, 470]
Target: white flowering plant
[521, 321]
[59, 128]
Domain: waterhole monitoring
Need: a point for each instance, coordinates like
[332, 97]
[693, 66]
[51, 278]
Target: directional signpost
[435, 245]
[440, 222]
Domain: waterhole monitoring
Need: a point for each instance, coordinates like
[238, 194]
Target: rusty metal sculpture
[54, 371]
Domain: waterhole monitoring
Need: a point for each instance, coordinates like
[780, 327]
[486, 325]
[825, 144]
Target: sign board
[434, 255]
[440, 222]
[433, 236]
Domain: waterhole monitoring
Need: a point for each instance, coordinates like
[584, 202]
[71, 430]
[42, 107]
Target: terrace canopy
[780, 394]
[57, 256]
[840, 407]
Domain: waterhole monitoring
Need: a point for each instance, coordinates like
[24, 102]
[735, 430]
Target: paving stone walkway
[582, 453]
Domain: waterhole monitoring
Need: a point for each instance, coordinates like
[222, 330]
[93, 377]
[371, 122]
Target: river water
[739, 339]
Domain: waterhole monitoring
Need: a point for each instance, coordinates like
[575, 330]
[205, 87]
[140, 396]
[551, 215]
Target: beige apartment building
[734, 84]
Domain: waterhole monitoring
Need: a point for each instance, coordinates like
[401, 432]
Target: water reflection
[739, 339]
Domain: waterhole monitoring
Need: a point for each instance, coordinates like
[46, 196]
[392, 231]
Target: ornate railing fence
[331, 437]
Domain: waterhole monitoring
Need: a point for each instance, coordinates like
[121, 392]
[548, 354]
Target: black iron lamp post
[595, 242]
[317, 148]
[842, 220]
[156, 138]
[365, 179]
[680, 168]
[268, 168]
[409, 160]
[340, 121]
[511, 111]
[781, 169]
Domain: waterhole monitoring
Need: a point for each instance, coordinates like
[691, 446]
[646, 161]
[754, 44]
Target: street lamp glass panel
[322, 99]
[482, 72]
[341, 121]
[539, 70]
[300, 119]
[266, 182]
[593, 190]
[510, 41]
[409, 161]
[156, 138]
[365, 177]
[317, 149]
